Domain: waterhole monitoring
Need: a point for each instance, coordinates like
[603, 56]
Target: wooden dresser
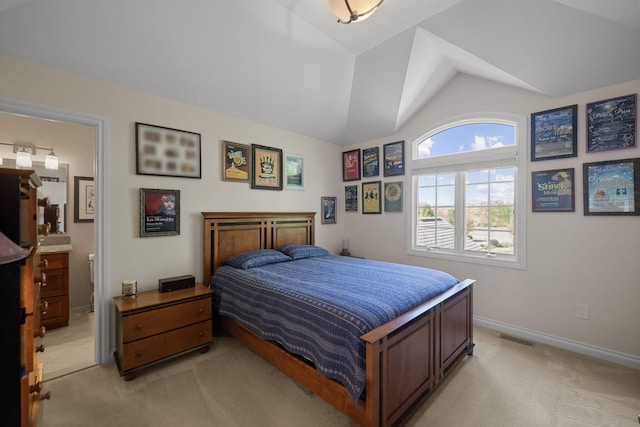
[156, 326]
[54, 294]
[21, 372]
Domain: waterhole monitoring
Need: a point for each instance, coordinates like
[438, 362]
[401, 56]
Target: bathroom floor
[71, 348]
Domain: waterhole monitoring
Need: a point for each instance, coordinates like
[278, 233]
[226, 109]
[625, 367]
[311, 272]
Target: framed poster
[351, 165]
[167, 152]
[266, 163]
[371, 203]
[328, 206]
[554, 133]
[553, 190]
[293, 172]
[393, 196]
[85, 199]
[393, 156]
[351, 198]
[159, 212]
[611, 124]
[612, 187]
[236, 162]
[370, 162]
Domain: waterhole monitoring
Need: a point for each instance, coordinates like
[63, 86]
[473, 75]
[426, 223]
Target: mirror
[54, 186]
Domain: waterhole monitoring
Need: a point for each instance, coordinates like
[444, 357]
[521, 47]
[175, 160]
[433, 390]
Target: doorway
[100, 127]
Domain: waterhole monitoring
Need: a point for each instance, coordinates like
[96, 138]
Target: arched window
[468, 200]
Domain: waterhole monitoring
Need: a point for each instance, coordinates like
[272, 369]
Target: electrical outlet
[582, 311]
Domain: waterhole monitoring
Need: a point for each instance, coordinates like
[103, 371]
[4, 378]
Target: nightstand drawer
[157, 347]
[141, 325]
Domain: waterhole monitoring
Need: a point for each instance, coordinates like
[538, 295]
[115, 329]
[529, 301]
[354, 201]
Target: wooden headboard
[230, 233]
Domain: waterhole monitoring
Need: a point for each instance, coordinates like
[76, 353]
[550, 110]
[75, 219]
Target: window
[468, 200]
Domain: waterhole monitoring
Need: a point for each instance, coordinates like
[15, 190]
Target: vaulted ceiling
[288, 64]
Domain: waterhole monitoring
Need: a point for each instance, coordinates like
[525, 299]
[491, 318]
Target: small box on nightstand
[174, 283]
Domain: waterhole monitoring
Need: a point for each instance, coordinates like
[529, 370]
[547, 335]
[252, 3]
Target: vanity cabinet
[21, 372]
[54, 293]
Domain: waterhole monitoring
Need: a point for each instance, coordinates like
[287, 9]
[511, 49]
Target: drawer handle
[201, 334]
[44, 306]
[44, 263]
[40, 348]
[45, 396]
[40, 332]
[138, 353]
[200, 310]
[139, 326]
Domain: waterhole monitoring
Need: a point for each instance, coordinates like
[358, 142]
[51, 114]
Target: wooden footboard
[406, 357]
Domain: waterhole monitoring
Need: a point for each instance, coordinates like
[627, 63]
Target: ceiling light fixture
[349, 11]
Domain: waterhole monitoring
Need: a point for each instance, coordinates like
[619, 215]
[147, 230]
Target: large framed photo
[611, 124]
[159, 212]
[267, 168]
[293, 172]
[167, 152]
[370, 162]
[554, 133]
[351, 165]
[393, 196]
[553, 190]
[393, 154]
[351, 198]
[85, 199]
[328, 206]
[371, 202]
[612, 187]
[236, 161]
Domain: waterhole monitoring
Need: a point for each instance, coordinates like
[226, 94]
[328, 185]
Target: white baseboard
[564, 343]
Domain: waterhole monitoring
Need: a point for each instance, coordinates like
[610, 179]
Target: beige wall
[571, 258]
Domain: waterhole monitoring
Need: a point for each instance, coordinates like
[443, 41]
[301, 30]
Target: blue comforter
[319, 307]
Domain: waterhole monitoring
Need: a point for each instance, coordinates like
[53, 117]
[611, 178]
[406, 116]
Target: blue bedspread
[319, 307]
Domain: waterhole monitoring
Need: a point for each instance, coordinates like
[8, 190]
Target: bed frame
[405, 358]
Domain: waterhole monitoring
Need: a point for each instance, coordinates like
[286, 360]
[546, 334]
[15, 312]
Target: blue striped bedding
[319, 307]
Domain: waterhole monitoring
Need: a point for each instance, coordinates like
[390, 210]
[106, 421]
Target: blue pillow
[303, 251]
[257, 258]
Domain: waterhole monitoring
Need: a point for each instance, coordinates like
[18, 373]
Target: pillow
[303, 251]
[257, 258]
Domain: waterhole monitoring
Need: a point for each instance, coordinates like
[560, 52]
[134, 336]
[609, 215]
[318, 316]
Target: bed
[404, 358]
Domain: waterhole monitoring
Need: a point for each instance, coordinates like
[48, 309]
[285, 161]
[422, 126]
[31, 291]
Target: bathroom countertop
[55, 248]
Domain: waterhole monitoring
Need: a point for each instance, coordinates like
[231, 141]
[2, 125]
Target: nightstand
[157, 326]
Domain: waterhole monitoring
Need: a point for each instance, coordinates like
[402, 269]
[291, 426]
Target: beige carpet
[503, 384]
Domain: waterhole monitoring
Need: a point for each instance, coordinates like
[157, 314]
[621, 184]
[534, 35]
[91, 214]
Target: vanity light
[51, 161]
[23, 159]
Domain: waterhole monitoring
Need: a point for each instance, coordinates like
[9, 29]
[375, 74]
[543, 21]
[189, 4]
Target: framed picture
[393, 196]
[393, 154]
[293, 172]
[553, 190]
[370, 162]
[351, 198]
[167, 152]
[85, 199]
[159, 212]
[351, 165]
[371, 203]
[611, 124]
[328, 206]
[236, 161]
[612, 187]
[554, 133]
[267, 168]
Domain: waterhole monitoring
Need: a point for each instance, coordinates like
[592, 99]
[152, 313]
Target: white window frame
[512, 156]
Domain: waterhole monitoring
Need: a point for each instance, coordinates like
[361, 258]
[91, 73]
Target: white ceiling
[288, 64]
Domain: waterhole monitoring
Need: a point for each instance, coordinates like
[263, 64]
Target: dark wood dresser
[20, 309]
